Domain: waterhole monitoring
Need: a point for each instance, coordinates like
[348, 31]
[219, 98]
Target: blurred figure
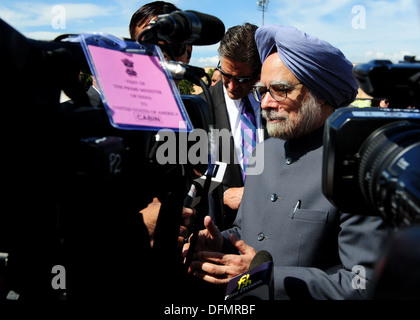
[380, 102]
[384, 103]
[216, 77]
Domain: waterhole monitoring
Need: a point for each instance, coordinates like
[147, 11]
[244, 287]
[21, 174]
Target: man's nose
[233, 84]
[268, 102]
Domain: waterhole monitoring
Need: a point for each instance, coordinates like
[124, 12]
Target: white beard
[307, 119]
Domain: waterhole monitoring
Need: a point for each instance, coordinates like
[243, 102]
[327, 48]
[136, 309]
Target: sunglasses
[240, 80]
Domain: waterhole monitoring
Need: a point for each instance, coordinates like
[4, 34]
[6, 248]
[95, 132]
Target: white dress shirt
[234, 109]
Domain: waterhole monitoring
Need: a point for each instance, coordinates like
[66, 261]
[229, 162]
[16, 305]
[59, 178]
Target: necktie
[248, 132]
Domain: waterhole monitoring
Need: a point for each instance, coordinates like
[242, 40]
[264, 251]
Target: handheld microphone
[195, 192]
[189, 27]
[261, 257]
[180, 71]
[257, 283]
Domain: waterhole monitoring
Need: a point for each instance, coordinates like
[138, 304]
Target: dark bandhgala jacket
[315, 246]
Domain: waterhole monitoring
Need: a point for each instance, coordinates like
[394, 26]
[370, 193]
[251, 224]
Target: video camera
[371, 155]
[399, 83]
[75, 184]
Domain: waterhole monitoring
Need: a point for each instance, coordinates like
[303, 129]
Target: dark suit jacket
[90, 98]
[224, 215]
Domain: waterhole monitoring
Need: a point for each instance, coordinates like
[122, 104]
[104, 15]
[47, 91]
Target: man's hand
[219, 268]
[232, 197]
[209, 239]
[187, 213]
[150, 215]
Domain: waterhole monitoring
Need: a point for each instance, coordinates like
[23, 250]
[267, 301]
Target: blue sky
[363, 30]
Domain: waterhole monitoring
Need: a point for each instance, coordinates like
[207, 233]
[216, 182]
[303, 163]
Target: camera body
[76, 184]
[399, 82]
[371, 158]
[371, 167]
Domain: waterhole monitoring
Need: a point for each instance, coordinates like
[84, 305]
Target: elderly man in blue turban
[319, 252]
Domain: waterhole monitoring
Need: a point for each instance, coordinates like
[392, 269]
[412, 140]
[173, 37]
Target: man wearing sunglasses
[240, 68]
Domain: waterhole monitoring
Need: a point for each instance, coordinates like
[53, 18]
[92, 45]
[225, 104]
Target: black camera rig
[371, 158]
[399, 82]
[371, 155]
[371, 167]
[74, 184]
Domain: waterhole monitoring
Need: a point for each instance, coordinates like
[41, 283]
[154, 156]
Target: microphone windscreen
[261, 257]
[212, 29]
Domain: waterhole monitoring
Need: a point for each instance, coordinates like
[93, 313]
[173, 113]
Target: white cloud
[390, 8]
[42, 35]
[395, 57]
[35, 14]
[205, 62]
[392, 27]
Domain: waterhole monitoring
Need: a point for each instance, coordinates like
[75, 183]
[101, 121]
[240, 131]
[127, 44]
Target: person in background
[384, 103]
[139, 22]
[380, 103]
[216, 77]
[240, 68]
[148, 13]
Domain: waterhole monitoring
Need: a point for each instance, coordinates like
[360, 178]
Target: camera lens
[389, 175]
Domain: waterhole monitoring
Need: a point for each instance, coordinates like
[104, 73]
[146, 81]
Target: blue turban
[321, 67]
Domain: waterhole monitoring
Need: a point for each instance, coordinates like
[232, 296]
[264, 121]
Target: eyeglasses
[240, 80]
[277, 91]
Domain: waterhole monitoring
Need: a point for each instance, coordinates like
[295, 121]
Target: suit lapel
[220, 110]
[234, 174]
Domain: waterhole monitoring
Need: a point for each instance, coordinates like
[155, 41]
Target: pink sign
[136, 89]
